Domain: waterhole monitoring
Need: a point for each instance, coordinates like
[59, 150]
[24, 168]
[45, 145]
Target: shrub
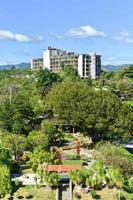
[120, 196]
[15, 168]
[97, 176]
[128, 186]
[52, 179]
[93, 193]
[5, 181]
[114, 156]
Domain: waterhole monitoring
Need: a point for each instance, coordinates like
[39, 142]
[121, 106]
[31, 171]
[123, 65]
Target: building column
[57, 193]
[71, 190]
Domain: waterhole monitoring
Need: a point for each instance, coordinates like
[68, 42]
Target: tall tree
[15, 143]
[45, 80]
[23, 115]
[53, 135]
[91, 111]
[68, 72]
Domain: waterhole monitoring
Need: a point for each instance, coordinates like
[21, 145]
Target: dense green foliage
[45, 80]
[53, 134]
[115, 156]
[38, 139]
[98, 113]
[5, 156]
[98, 176]
[15, 143]
[69, 73]
[5, 182]
[34, 108]
[52, 179]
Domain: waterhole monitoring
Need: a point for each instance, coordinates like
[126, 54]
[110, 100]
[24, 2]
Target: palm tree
[77, 178]
[114, 178]
[52, 179]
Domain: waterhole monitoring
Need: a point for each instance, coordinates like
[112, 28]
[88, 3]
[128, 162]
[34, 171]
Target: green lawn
[38, 194]
[71, 162]
[106, 194]
[27, 171]
[69, 137]
[125, 153]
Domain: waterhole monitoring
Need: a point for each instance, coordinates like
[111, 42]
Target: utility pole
[10, 90]
[10, 94]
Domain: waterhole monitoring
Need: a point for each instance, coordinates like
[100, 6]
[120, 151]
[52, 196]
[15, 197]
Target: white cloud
[84, 32]
[125, 37]
[129, 40]
[8, 35]
[80, 32]
[125, 34]
[119, 38]
[56, 36]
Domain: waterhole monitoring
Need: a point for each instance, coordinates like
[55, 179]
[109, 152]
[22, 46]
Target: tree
[68, 72]
[52, 179]
[77, 177]
[38, 139]
[15, 143]
[5, 156]
[45, 80]
[97, 176]
[125, 86]
[28, 86]
[91, 111]
[66, 101]
[123, 123]
[23, 115]
[53, 134]
[5, 181]
[18, 116]
[6, 113]
[39, 158]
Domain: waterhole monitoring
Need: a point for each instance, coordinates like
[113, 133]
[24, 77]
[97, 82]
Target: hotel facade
[87, 65]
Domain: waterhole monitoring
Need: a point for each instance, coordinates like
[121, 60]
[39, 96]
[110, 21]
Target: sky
[84, 26]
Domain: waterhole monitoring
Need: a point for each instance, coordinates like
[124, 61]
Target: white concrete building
[37, 63]
[87, 65]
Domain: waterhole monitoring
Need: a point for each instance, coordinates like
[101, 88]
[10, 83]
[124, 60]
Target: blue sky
[102, 26]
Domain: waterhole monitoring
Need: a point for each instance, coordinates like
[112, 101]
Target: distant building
[87, 65]
[37, 63]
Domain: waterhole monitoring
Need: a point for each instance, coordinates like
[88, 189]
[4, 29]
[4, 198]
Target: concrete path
[26, 179]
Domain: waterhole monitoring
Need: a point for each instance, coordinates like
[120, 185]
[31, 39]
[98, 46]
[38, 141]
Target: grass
[122, 151]
[69, 137]
[71, 162]
[27, 171]
[106, 194]
[38, 194]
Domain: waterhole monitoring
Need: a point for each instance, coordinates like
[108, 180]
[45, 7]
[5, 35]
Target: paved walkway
[26, 179]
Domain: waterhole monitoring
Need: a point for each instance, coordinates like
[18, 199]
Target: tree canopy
[93, 111]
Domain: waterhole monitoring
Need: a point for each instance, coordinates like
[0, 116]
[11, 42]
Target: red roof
[62, 168]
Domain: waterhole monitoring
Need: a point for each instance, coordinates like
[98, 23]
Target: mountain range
[23, 65]
[114, 68]
[16, 66]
